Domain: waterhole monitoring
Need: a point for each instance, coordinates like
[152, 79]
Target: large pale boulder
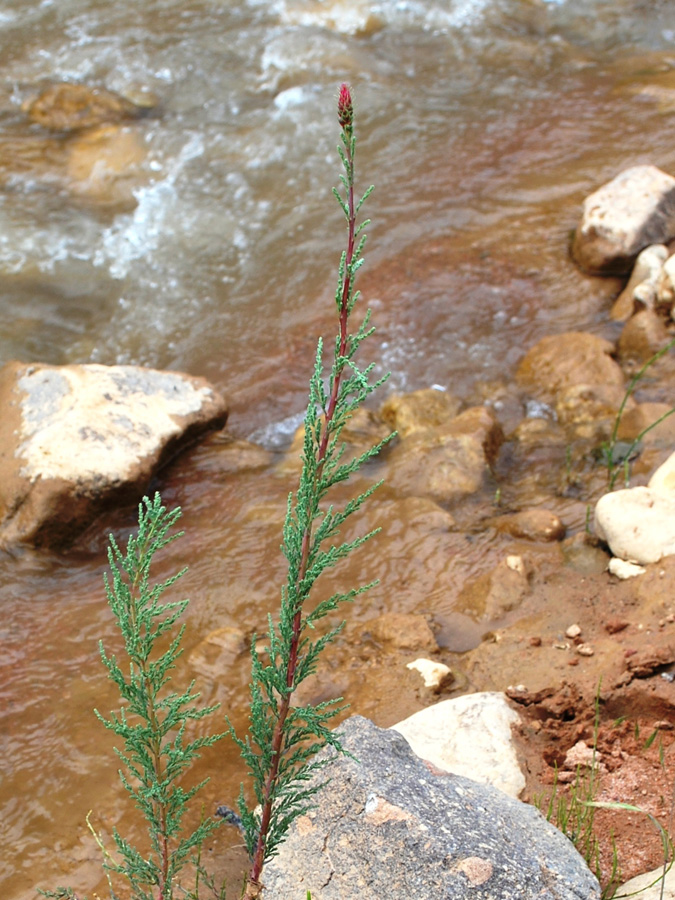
[470, 736]
[386, 825]
[634, 210]
[560, 361]
[75, 439]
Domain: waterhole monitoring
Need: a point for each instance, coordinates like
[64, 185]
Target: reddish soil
[620, 700]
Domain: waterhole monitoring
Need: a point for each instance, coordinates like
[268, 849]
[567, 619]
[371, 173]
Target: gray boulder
[75, 439]
[387, 825]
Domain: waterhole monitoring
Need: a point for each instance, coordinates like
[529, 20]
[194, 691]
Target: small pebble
[614, 626]
[585, 650]
[573, 631]
[535, 642]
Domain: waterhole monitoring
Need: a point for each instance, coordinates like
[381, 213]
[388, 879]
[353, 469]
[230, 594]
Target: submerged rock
[71, 107]
[634, 210]
[74, 439]
[531, 524]
[492, 594]
[387, 826]
[560, 361]
[419, 410]
[105, 165]
[447, 463]
[643, 335]
[406, 631]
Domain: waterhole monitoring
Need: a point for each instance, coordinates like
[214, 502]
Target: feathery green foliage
[152, 721]
[283, 739]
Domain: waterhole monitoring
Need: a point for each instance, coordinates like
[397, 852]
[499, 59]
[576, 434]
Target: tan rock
[74, 439]
[590, 404]
[558, 362]
[218, 652]
[406, 631]
[105, 165]
[634, 210]
[643, 335]
[494, 593]
[71, 107]
[419, 410]
[636, 419]
[447, 463]
[363, 430]
[531, 524]
[641, 290]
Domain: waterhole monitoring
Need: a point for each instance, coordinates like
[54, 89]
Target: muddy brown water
[494, 136]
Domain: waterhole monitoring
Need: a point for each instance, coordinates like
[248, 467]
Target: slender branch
[345, 115]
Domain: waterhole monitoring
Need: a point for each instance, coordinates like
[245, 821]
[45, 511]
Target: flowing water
[484, 123]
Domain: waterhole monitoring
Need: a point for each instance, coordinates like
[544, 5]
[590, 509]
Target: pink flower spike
[345, 106]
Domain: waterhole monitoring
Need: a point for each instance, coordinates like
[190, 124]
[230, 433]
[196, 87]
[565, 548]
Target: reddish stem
[253, 886]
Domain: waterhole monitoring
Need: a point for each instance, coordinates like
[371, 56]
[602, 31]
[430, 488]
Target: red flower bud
[345, 106]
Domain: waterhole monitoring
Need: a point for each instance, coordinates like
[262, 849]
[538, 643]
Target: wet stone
[558, 362]
[531, 524]
[402, 630]
[634, 210]
[643, 335]
[71, 107]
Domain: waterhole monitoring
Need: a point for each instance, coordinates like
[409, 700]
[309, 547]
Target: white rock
[642, 287]
[634, 210]
[637, 523]
[436, 675]
[623, 569]
[470, 736]
[581, 756]
[663, 480]
[640, 886]
[665, 285]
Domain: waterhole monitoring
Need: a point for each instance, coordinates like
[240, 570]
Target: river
[482, 123]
